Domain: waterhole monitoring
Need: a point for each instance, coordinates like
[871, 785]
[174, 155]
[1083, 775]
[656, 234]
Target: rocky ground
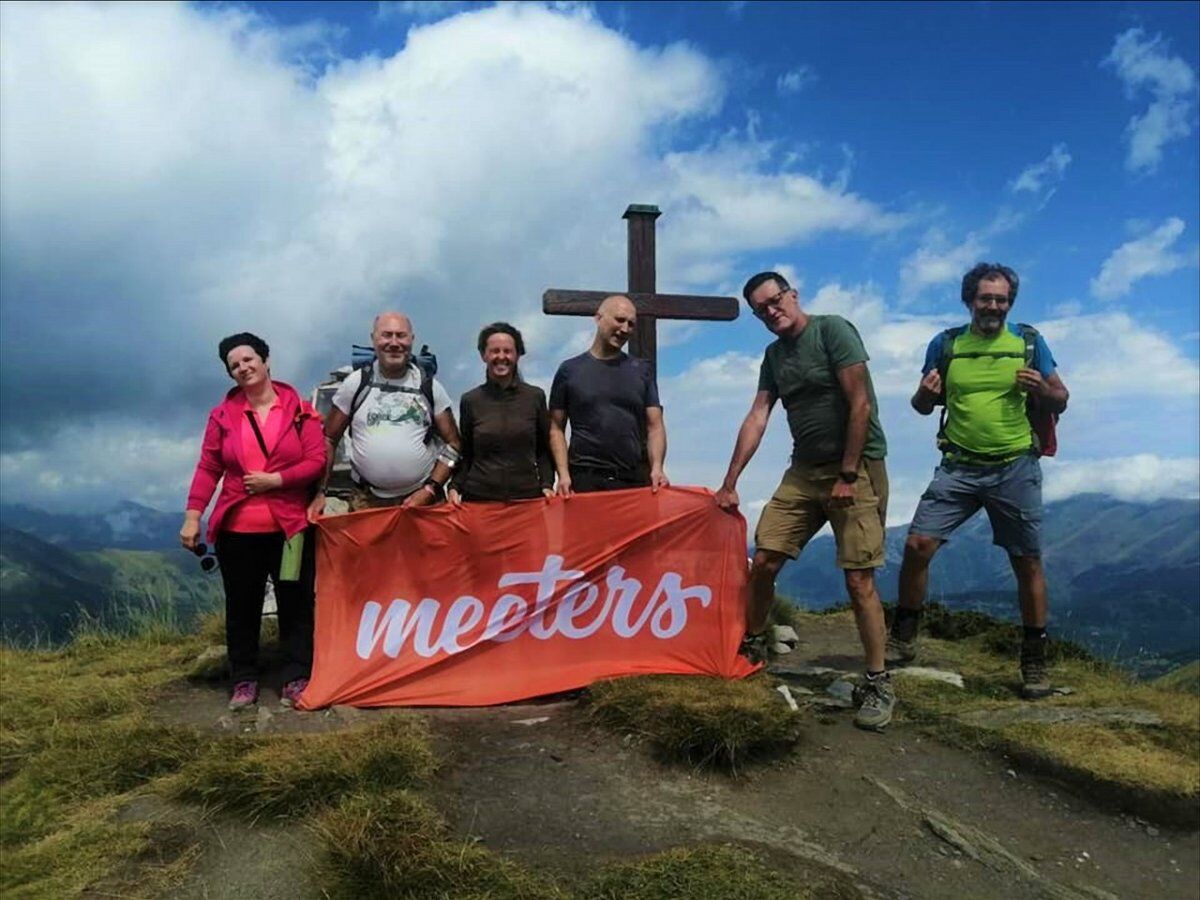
[877, 815]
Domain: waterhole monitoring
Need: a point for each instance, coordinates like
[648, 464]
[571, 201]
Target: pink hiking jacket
[298, 455]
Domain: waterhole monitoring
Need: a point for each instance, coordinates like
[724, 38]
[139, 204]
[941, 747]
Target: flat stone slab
[843, 691]
[927, 674]
[1059, 715]
[810, 676]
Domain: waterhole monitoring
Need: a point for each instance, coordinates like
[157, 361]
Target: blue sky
[170, 174]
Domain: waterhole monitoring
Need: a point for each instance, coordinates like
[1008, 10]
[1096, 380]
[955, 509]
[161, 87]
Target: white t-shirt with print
[388, 446]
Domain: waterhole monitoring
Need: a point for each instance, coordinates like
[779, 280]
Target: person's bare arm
[853, 380]
[335, 426]
[929, 393]
[748, 438]
[442, 470]
[1050, 392]
[656, 446]
[558, 449]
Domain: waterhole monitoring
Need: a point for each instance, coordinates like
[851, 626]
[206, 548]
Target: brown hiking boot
[1035, 677]
[897, 652]
[901, 642]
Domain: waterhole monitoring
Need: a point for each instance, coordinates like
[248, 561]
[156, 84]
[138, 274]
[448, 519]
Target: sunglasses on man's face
[771, 303]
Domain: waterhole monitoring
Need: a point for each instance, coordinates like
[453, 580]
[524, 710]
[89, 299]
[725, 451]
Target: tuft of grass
[783, 612]
[81, 761]
[393, 844]
[1185, 679]
[996, 637]
[699, 720]
[94, 854]
[211, 628]
[76, 736]
[284, 775]
[712, 871]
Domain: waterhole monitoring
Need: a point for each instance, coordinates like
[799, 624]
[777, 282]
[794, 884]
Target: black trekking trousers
[247, 559]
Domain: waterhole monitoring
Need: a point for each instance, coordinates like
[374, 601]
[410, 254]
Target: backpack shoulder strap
[949, 336]
[365, 373]
[1029, 335]
[427, 393]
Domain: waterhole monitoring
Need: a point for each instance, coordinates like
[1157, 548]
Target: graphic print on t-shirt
[396, 408]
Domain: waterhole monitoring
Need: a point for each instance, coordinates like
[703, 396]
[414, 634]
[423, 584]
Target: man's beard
[990, 323]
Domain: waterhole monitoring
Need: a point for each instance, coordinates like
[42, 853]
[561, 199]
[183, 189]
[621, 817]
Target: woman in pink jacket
[266, 447]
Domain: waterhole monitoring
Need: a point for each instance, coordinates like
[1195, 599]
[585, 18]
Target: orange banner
[491, 603]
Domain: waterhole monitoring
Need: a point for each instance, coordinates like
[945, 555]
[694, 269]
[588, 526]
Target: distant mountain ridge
[127, 526]
[1124, 578]
[46, 588]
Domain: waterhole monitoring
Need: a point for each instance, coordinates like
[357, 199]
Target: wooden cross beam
[651, 306]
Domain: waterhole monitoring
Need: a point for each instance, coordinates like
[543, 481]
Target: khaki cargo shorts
[800, 507]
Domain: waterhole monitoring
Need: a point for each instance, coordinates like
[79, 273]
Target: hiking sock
[1034, 632]
[873, 675]
[905, 623]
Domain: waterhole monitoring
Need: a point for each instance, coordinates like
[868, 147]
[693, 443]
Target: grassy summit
[96, 734]
[84, 743]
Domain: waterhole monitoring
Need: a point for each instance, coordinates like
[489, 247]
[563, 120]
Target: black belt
[963, 455]
[614, 472]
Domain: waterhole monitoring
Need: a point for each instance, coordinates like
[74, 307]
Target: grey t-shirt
[605, 401]
[803, 374]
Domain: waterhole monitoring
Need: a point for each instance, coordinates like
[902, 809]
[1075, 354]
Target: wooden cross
[651, 306]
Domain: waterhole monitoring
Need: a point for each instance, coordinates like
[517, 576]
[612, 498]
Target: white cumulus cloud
[1045, 174]
[178, 173]
[1111, 355]
[1141, 477]
[938, 261]
[795, 80]
[1151, 254]
[1144, 65]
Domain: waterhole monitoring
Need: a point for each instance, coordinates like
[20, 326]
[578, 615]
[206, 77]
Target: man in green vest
[988, 376]
[818, 367]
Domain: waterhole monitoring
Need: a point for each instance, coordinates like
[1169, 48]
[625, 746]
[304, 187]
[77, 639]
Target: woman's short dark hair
[501, 328]
[762, 278]
[242, 339]
[989, 272]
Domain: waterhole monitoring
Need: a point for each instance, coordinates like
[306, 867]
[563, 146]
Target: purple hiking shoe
[291, 691]
[245, 693]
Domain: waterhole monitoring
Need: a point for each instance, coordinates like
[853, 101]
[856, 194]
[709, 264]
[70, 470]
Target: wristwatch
[848, 477]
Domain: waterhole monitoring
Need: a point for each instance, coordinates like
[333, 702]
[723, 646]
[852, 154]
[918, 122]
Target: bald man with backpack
[1001, 395]
[404, 440]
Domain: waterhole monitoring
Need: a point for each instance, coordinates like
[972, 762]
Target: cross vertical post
[650, 305]
[642, 276]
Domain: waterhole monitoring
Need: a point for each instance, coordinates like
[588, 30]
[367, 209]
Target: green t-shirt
[803, 374]
[985, 410]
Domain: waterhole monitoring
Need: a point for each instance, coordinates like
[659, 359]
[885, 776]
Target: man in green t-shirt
[818, 367]
[990, 458]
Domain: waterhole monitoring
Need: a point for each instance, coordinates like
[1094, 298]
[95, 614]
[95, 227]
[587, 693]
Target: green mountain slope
[46, 589]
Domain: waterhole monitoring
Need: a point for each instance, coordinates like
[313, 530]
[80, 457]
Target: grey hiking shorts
[1011, 493]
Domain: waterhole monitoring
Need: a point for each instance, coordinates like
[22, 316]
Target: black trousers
[246, 560]
[585, 479]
